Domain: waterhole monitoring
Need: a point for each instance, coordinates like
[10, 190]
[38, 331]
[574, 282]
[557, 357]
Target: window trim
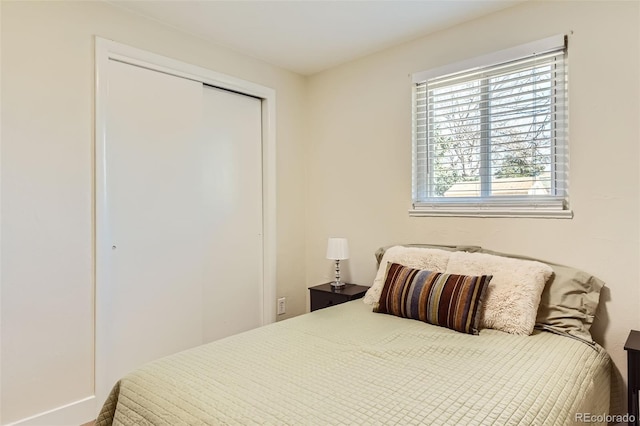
[511, 54]
[531, 207]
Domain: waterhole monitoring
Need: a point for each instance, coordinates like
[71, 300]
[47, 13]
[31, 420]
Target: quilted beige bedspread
[348, 365]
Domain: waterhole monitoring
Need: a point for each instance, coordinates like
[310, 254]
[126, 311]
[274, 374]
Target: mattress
[348, 365]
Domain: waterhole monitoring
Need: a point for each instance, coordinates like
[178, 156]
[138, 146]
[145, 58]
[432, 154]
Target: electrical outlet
[282, 306]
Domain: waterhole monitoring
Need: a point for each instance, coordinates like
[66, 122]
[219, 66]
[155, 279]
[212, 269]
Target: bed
[350, 365]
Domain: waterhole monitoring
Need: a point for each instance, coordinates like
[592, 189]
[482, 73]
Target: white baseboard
[73, 414]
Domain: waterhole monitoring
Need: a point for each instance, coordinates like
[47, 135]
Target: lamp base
[337, 284]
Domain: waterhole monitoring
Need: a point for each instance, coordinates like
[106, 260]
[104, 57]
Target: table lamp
[337, 249]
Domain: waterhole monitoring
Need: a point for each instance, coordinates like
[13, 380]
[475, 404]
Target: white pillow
[512, 298]
[414, 257]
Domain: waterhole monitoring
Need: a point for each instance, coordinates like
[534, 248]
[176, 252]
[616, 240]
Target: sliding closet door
[150, 303]
[180, 249]
[232, 166]
[179, 209]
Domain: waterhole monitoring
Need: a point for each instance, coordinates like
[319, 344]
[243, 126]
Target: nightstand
[324, 295]
[633, 373]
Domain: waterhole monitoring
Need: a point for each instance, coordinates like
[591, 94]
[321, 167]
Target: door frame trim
[106, 50]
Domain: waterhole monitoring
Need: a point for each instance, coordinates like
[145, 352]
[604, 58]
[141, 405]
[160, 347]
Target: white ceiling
[310, 36]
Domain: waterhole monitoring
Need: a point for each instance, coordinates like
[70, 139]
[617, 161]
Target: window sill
[491, 212]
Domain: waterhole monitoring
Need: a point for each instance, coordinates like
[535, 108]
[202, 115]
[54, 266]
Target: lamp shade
[337, 249]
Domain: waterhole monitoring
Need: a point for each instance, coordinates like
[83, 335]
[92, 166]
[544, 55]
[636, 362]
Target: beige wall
[359, 168]
[47, 178]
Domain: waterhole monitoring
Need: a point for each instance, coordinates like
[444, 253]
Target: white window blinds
[493, 137]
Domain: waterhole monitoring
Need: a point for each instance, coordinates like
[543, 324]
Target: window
[490, 135]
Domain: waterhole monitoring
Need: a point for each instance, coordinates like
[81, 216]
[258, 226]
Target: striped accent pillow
[446, 300]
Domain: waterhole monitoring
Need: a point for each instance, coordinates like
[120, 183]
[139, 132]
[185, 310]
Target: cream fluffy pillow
[512, 298]
[419, 258]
